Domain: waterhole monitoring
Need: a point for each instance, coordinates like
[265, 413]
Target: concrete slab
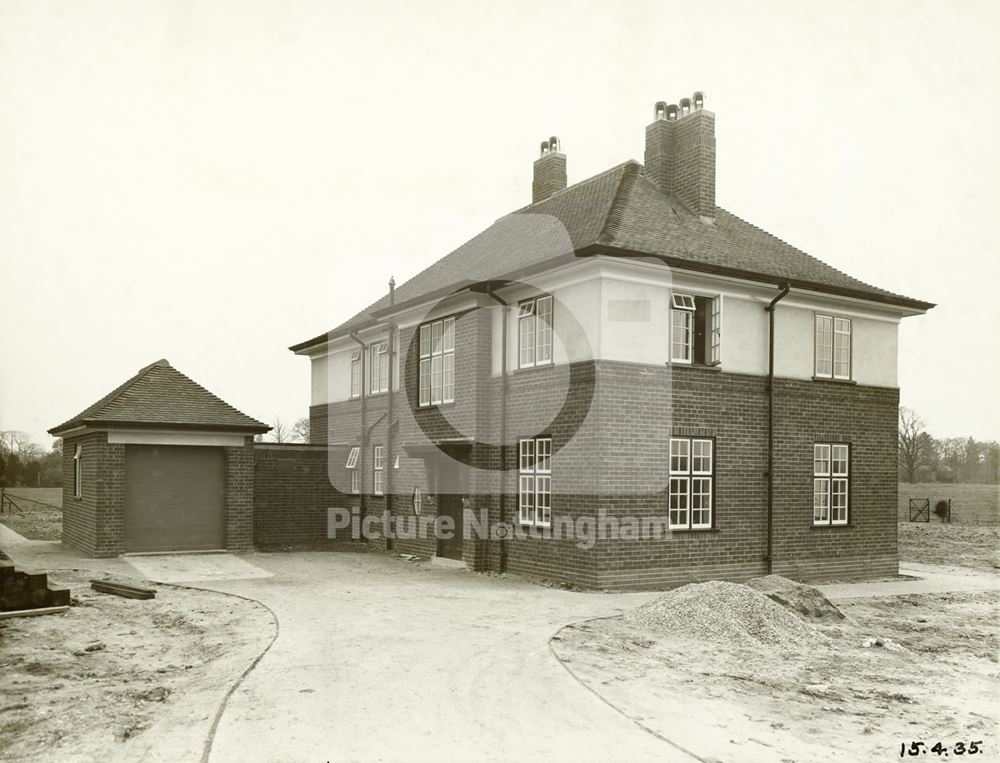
[185, 568]
[920, 578]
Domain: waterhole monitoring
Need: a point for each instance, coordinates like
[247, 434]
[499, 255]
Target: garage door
[175, 498]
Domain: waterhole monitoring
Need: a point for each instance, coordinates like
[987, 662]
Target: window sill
[690, 530]
[831, 527]
[702, 366]
[434, 406]
[529, 369]
[833, 381]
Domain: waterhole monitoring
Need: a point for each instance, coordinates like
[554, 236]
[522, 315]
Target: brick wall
[240, 485]
[94, 522]
[292, 493]
[610, 428]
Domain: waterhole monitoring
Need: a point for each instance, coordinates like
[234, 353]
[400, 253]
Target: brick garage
[158, 464]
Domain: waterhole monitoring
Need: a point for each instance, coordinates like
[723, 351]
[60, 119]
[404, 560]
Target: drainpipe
[503, 419]
[389, 410]
[785, 288]
[364, 436]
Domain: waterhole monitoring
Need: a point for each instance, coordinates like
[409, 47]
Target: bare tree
[279, 431]
[914, 444]
[301, 429]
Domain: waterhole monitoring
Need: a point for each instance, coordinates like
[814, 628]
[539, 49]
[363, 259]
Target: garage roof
[161, 396]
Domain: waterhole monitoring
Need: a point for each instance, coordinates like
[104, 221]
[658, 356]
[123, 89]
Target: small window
[355, 482]
[682, 301]
[352, 458]
[692, 478]
[534, 332]
[418, 500]
[78, 472]
[535, 481]
[356, 374]
[436, 372]
[378, 467]
[379, 372]
[833, 347]
[831, 483]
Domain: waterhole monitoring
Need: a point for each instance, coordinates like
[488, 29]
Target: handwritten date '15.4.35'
[913, 749]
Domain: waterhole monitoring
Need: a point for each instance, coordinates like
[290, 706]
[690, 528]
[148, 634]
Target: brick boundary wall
[292, 493]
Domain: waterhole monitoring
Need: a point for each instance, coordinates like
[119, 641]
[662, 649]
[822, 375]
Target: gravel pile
[724, 612]
[804, 600]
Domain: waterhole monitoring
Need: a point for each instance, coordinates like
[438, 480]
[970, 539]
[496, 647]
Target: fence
[970, 504]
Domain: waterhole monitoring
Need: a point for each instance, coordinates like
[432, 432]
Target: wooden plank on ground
[122, 589]
[33, 612]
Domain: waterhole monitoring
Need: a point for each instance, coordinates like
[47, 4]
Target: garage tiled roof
[161, 396]
[622, 212]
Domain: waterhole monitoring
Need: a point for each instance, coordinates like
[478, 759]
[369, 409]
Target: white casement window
[437, 362]
[78, 472]
[534, 332]
[535, 481]
[352, 466]
[356, 374]
[681, 328]
[378, 372]
[831, 483]
[692, 475]
[378, 469]
[715, 330]
[352, 458]
[833, 347]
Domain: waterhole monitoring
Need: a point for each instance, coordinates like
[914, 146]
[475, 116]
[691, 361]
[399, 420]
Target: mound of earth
[805, 601]
[724, 612]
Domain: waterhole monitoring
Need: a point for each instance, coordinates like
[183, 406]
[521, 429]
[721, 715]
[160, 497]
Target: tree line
[924, 458]
[24, 463]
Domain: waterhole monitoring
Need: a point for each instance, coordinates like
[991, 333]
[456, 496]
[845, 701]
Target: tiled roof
[620, 211]
[161, 396]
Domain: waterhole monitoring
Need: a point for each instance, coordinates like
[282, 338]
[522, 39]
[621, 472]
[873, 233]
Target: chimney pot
[699, 100]
[672, 112]
[660, 110]
[685, 106]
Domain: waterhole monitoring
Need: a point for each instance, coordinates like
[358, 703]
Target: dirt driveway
[381, 659]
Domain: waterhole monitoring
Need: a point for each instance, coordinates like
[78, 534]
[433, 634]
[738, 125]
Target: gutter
[770, 422]
[505, 307]
[364, 434]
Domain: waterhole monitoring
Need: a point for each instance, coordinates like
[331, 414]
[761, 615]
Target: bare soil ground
[39, 512]
[832, 699]
[952, 545]
[123, 679]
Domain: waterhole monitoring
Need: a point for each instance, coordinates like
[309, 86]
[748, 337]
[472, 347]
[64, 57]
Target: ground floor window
[831, 483]
[692, 482]
[534, 495]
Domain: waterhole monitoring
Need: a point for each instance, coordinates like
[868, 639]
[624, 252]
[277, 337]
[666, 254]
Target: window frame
[78, 471]
[352, 457]
[685, 473]
[528, 309]
[378, 372]
[825, 477]
[827, 353]
[427, 353]
[356, 376]
[682, 305]
[534, 470]
[378, 469]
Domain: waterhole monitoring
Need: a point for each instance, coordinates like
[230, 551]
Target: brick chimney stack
[550, 171]
[680, 153]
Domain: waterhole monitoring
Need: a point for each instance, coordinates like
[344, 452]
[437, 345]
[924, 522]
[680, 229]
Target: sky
[211, 182]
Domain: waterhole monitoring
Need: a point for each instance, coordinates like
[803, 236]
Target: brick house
[158, 464]
[623, 348]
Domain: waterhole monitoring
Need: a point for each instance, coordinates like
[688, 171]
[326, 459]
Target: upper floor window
[437, 362]
[356, 374]
[833, 347]
[831, 483]
[534, 332]
[692, 469]
[78, 472]
[535, 481]
[695, 329]
[379, 373]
